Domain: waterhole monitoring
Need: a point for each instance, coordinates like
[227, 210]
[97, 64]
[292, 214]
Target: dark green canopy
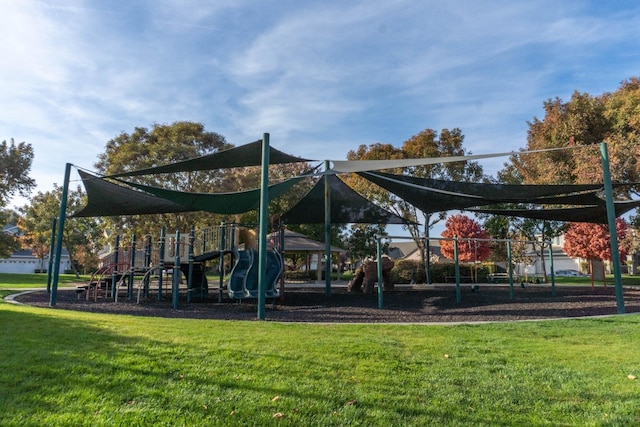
[105, 198]
[347, 207]
[433, 195]
[221, 203]
[242, 156]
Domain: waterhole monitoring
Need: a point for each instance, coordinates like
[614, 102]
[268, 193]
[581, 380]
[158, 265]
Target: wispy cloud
[321, 76]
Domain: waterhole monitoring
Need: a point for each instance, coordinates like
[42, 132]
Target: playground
[254, 266]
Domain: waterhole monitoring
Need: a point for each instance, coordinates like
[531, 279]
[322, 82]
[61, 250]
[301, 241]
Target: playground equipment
[367, 276]
[175, 264]
[243, 282]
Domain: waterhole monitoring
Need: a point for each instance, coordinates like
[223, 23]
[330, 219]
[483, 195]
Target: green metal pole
[427, 253]
[147, 264]
[379, 270]
[132, 266]
[223, 226]
[175, 283]
[327, 232]
[58, 251]
[611, 219]
[52, 249]
[510, 267]
[192, 238]
[553, 276]
[163, 238]
[114, 274]
[457, 270]
[264, 206]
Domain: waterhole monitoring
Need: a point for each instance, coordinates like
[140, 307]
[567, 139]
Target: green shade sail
[242, 156]
[347, 207]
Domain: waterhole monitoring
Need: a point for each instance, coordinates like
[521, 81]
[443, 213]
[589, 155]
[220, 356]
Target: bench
[499, 277]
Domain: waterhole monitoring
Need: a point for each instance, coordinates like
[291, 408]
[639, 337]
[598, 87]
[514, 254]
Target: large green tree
[579, 125]
[163, 144]
[427, 143]
[15, 165]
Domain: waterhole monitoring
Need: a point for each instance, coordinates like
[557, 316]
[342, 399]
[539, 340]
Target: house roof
[298, 242]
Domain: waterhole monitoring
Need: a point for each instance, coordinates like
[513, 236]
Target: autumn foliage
[463, 227]
[592, 241]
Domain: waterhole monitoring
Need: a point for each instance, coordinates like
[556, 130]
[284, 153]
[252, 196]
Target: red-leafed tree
[466, 230]
[593, 242]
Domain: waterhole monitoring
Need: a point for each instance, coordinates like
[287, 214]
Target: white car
[570, 273]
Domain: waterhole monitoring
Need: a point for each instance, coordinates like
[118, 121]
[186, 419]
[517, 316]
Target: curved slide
[243, 282]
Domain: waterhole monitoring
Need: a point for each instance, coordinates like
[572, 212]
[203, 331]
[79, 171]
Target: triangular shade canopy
[220, 203]
[242, 156]
[108, 199]
[592, 214]
[347, 207]
[105, 198]
[432, 195]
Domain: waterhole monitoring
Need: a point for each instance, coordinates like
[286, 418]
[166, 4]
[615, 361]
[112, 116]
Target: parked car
[570, 273]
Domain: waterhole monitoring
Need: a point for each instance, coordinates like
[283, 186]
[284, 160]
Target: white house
[23, 262]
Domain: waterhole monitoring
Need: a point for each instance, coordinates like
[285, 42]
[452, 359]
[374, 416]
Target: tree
[160, 145]
[82, 236]
[425, 144]
[467, 231]
[9, 242]
[15, 164]
[164, 144]
[593, 241]
[361, 241]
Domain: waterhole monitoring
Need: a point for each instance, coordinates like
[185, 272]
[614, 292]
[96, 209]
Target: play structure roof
[298, 242]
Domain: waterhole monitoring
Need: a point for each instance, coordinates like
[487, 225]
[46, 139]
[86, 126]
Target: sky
[321, 77]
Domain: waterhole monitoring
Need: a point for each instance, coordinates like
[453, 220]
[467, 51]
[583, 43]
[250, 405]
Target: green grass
[78, 369]
[16, 281]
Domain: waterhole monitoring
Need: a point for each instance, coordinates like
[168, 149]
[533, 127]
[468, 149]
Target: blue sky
[322, 77]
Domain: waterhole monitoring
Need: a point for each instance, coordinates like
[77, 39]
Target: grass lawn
[17, 281]
[84, 369]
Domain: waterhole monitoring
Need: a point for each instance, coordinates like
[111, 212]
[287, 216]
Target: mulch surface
[414, 304]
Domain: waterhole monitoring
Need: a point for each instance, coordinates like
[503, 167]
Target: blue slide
[244, 276]
[237, 282]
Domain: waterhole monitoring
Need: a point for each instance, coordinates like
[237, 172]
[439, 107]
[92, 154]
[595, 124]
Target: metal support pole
[52, 249]
[553, 276]
[510, 267]
[114, 273]
[613, 233]
[327, 232]
[175, 283]
[379, 270]
[457, 270]
[427, 253]
[132, 267]
[262, 244]
[161, 272]
[58, 252]
[192, 238]
[223, 226]
[147, 264]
